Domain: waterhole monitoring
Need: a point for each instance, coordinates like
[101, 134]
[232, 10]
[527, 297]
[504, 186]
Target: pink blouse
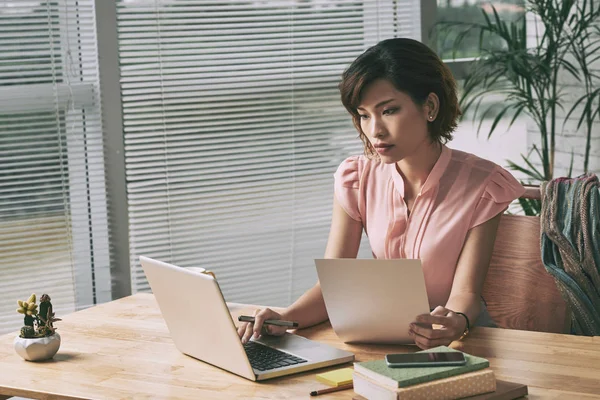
[461, 192]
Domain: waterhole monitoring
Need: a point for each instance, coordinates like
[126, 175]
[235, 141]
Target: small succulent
[29, 309]
[27, 332]
[37, 323]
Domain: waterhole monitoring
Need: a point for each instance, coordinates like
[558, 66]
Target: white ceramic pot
[37, 349]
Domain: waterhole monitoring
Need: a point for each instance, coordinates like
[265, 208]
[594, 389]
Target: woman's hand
[451, 327]
[255, 329]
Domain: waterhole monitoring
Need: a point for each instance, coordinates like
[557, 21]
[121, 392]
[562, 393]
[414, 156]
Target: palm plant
[532, 78]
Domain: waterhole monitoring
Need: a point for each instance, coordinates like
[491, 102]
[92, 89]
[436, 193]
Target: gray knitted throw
[570, 224]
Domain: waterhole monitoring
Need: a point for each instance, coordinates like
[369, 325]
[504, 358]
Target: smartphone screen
[425, 359]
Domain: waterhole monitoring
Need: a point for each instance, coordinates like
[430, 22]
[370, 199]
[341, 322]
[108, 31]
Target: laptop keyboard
[264, 357]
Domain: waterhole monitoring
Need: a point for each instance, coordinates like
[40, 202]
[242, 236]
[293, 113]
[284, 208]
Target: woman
[413, 196]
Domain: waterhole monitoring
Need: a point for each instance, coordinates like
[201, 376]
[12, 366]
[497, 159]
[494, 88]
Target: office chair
[518, 291]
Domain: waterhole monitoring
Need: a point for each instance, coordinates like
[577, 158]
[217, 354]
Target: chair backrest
[519, 293]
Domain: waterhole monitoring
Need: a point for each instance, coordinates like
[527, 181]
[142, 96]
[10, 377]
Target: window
[233, 129]
[471, 11]
[53, 236]
[506, 143]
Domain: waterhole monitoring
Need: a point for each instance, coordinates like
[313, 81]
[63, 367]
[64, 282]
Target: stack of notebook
[374, 380]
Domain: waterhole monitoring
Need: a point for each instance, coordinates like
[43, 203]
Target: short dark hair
[413, 68]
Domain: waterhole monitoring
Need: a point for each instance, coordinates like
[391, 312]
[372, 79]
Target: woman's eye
[363, 116]
[389, 111]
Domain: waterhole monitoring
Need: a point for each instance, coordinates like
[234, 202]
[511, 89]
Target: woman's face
[394, 124]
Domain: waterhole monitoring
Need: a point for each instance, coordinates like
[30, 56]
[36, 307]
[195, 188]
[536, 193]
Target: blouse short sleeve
[347, 181]
[501, 189]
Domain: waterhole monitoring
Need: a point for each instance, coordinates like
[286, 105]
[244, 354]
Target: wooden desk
[122, 349]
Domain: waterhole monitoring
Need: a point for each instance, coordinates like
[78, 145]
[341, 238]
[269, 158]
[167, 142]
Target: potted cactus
[38, 339]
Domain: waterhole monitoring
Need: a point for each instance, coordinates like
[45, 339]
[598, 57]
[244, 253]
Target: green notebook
[401, 377]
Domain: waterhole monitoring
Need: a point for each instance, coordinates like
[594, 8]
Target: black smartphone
[442, 359]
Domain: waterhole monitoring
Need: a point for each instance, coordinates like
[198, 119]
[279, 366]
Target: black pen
[276, 322]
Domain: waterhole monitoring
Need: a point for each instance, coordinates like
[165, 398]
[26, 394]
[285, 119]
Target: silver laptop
[373, 301]
[201, 326]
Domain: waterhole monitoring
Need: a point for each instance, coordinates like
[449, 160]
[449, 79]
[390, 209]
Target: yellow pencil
[331, 389]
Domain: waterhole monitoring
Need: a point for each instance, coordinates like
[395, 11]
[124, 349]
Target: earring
[431, 117]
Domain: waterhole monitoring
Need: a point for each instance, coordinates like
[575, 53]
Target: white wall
[570, 141]
[504, 144]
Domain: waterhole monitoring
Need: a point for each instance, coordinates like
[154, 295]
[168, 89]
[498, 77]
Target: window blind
[233, 129]
[53, 233]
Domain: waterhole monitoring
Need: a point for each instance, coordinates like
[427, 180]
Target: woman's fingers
[246, 329]
[266, 314]
[241, 329]
[424, 334]
[440, 310]
[433, 319]
[259, 319]
[258, 328]
[428, 343]
[248, 333]
[427, 332]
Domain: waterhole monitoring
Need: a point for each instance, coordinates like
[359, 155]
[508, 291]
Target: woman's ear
[431, 107]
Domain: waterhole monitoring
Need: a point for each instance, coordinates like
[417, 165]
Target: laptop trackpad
[310, 350]
[289, 342]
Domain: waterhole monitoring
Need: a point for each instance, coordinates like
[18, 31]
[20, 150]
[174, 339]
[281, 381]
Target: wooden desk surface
[122, 349]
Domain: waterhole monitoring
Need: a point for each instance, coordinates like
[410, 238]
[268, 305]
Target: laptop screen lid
[197, 316]
[373, 301]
